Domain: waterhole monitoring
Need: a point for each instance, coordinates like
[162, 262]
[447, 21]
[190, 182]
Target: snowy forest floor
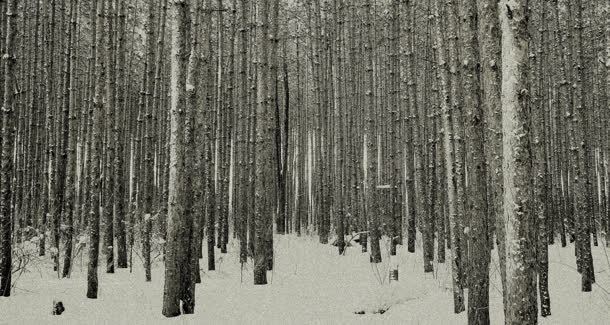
[310, 284]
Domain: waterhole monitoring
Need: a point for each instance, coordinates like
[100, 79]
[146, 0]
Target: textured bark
[579, 141]
[280, 154]
[179, 283]
[96, 156]
[109, 178]
[148, 130]
[564, 95]
[489, 45]
[452, 37]
[8, 138]
[339, 137]
[162, 127]
[223, 105]
[395, 152]
[539, 154]
[423, 217]
[476, 191]
[301, 193]
[458, 294]
[607, 120]
[410, 89]
[69, 210]
[371, 137]
[51, 117]
[208, 169]
[242, 212]
[263, 204]
[193, 185]
[119, 158]
[518, 212]
[273, 119]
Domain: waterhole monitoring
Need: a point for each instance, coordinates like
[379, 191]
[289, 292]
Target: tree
[449, 157]
[6, 166]
[476, 190]
[109, 178]
[69, 210]
[242, 149]
[119, 130]
[579, 141]
[263, 207]
[395, 152]
[147, 145]
[520, 219]
[371, 138]
[489, 49]
[96, 156]
[179, 283]
[539, 154]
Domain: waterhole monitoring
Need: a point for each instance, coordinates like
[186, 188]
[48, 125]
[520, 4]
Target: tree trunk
[96, 156]
[6, 166]
[458, 294]
[520, 223]
[371, 137]
[476, 190]
[264, 153]
[179, 284]
[69, 210]
[119, 111]
[489, 46]
[580, 156]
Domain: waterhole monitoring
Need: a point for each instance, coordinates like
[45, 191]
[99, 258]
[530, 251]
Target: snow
[310, 284]
[53, 251]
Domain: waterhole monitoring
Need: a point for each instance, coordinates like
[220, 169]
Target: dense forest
[162, 131]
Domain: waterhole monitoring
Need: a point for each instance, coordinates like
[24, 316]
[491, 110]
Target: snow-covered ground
[310, 284]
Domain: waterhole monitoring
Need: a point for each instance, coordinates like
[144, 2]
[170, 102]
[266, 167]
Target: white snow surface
[310, 284]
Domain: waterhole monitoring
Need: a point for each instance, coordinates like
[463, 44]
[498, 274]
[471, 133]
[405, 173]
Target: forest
[305, 161]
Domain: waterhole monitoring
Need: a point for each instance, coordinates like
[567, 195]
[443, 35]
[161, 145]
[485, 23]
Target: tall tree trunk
[6, 165]
[489, 44]
[244, 109]
[371, 137]
[264, 205]
[96, 157]
[458, 294]
[179, 284]
[70, 189]
[395, 152]
[539, 154]
[147, 148]
[476, 190]
[580, 156]
[119, 111]
[109, 178]
[520, 223]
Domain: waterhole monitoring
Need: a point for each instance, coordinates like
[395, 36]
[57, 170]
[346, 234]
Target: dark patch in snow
[58, 307]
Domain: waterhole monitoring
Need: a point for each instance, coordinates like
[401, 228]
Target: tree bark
[458, 294]
[476, 190]
[263, 204]
[520, 223]
[8, 142]
[179, 284]
[96, 156]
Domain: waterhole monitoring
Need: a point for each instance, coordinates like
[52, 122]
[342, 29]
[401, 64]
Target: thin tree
[96, 156]
[6, 165]
[449, 157]
[264, 153]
